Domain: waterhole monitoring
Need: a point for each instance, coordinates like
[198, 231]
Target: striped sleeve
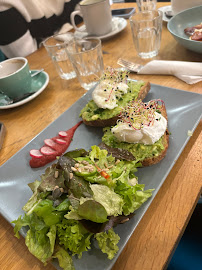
[15, 37]
[13, 26]
[23, 46]
[24, 24]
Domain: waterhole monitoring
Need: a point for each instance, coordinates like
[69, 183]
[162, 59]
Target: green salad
[77, 201]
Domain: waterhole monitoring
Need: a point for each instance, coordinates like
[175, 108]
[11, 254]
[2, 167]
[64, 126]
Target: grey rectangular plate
[184, 111]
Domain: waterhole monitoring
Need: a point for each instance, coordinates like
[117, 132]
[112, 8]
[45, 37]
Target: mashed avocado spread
[139, 150]
[92, 112]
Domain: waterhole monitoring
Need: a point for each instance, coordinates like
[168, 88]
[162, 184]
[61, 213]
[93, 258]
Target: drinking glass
[144, 5]
[87, 60]
[146, 28]
[56, 47]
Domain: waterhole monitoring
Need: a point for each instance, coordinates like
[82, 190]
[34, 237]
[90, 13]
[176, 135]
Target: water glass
[146, 30]
[56, 47]
[144, 5]
[87, 60]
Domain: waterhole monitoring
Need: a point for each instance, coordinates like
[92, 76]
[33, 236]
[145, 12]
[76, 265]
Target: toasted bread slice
[156, 159]
[154, 153]
[165, 141]
[92, 115]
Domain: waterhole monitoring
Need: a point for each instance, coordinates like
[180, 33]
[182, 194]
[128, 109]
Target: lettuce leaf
[73, 214]
[105, 202]
[64, 259]
[73, 236]
[122, 170]
[111, 201]
[34, 198]
[107, 242]
[99, 156]
[41, 243]
[93, 210]
[45, 210]
[19, 223]
[28, 220]
[63, 206]
[48, 180]
[40, 238]
[133, 196]
[34, 185]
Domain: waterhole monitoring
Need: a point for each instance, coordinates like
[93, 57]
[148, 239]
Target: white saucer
[39, 83]
[118, 24]
[164, 9]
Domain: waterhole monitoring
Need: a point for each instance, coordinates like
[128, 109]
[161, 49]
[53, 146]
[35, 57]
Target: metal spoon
[37, 72]
[169, 13]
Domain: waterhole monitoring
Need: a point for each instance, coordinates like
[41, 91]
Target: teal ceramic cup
[15, 77]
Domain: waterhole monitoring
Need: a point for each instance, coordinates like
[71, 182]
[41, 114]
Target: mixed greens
[77, 201]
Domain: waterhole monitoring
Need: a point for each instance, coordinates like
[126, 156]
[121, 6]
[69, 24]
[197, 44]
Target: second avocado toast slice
[147, 153]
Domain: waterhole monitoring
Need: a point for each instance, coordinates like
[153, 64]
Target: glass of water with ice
[144, 5]
[87, 60]
[56, 47]
[146, 28]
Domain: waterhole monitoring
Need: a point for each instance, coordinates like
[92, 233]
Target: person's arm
[15, 37]
[24, 26]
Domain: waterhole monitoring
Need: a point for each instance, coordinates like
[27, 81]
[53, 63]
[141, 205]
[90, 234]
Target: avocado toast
[110, 96]
[148, 150]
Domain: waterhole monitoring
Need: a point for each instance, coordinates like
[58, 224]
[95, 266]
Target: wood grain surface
[156, 236]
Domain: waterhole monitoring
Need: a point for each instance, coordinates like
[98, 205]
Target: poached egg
[140, 123]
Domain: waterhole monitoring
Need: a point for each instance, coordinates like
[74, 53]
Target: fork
[129, 65]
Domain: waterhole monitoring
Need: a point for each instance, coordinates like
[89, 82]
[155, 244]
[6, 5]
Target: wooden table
[165, 221]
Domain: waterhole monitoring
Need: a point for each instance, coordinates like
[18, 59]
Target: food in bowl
[182, 20]
[194, 32]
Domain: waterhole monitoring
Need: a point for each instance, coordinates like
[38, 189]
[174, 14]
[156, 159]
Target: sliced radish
[63, 134]
[52, 148]
[49, 142]
[46, 150]
[35, 153]
[60, 141]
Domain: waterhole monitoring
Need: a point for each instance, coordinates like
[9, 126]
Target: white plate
[164, 9]
[39, 83]
[118, 24]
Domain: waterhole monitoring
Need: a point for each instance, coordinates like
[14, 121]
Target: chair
[188, 254]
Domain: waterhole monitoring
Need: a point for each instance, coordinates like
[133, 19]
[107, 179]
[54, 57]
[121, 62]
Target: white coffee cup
[96, 15]
[179, 5]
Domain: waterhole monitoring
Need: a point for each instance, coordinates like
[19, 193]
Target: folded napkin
[65, 28]
[189, 72]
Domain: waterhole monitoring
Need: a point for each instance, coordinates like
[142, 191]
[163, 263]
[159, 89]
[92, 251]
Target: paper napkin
[189, 72]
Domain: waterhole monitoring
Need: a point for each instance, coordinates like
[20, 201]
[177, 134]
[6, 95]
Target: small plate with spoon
[167, 13]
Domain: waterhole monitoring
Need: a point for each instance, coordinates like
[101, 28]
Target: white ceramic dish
[118, 24]
[39, 83]
[187, 18]
[164, 9]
